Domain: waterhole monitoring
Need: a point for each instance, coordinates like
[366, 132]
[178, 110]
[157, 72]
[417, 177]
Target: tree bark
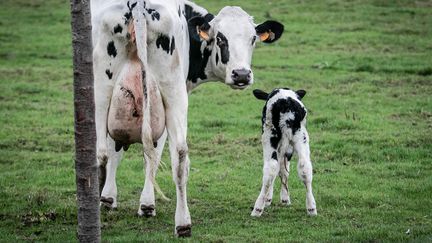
[85, 132]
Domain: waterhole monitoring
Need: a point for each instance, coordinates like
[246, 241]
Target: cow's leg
[270, 170]
[284, 174]
[176, 103]
[103, 92]
[109, 192]
[304, 169]
[147, 200]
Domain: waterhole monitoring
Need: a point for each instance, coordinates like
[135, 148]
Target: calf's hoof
[286, 202]
[268, 202]
[312, 211]
[108, 203]
[257, 212]
[183, 231]
[147, 211]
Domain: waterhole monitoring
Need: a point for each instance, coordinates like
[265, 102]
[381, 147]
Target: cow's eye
[253, 39]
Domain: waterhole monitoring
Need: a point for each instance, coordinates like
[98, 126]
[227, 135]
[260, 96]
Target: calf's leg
[304, 170]
[270, 170]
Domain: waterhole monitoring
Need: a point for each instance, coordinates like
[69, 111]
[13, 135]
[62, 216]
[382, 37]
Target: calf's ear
[269, 31]
[301, 93]
[199, 28]
[259, 94]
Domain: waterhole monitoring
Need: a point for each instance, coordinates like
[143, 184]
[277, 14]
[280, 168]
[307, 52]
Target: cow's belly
[126, 113]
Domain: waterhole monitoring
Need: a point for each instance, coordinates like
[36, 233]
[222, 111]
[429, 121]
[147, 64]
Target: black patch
[128, 15]
[304, 138]
[276, 136]
[274, 155]
[118, 146]
[164, 42]
[172, 45]
[197, 60]
[112, 51]
[284, 106]
[154, 14]
[144, 84]
[125, 147]
[222, 42]
[155, 144]
[179, 11]
[217, 58]
[253, 40]
[118, 29]
[109, 73]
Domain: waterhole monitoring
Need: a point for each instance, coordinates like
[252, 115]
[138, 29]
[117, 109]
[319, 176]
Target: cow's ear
[301, 93]
[199, 28]
[269, 31]
[259, 94]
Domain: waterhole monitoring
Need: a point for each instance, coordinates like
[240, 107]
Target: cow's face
[232, 36]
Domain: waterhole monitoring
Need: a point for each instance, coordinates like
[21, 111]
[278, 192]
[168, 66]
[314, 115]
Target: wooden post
[85, 130]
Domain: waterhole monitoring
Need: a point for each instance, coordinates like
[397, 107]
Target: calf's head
[231, 37]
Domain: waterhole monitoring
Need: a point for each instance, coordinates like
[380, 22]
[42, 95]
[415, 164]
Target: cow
[147, 56]
[283, 132]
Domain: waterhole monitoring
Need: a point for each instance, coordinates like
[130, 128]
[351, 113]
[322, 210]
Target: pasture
[367, 68]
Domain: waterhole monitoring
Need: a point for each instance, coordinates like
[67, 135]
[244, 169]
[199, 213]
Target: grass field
[367, 67]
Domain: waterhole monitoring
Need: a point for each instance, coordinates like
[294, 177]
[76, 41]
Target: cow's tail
[140, 28]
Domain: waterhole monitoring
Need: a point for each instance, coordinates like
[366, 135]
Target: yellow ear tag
[204, 35]
[264, 36]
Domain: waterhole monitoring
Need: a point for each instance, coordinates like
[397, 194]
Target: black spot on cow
[118, 29]
[153, 13]
[274, 155]
[112, 51]
[222, 43]
[144, 83]
[109, 73]
[179, 11]
[164, 42]
[217, 58]
[128, 15]
[155, 144]
[172, 48]
[304, 138]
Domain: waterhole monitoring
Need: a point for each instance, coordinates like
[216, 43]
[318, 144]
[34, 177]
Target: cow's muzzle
[241, 77]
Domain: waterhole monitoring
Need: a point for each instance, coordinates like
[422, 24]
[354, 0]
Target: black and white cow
[147, 56]
[283, 132]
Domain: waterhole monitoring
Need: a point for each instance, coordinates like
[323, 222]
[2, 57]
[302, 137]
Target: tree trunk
[85, 131]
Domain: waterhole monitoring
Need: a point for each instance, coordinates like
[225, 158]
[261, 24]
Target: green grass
[367, 68]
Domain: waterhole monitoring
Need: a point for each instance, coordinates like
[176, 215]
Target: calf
[283, 132]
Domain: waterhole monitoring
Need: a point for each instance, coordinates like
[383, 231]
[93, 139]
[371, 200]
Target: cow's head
[231, 36]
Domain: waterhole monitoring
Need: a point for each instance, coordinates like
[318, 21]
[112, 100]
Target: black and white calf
[148, 54]
[284, 132]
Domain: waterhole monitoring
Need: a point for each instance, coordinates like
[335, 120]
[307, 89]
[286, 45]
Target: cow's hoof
[312, 211]
[107, 203]
[256, 212]
[184, 231]
[286, 202]
[147, 211]
[268, 202]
